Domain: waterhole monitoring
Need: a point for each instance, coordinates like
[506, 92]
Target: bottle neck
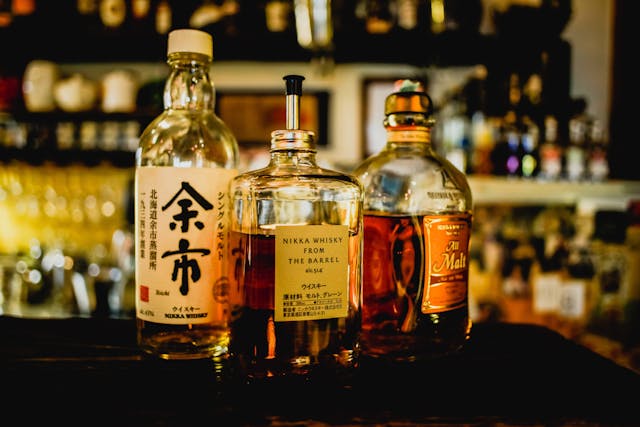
[189, 86]
[293, 157]
[294, 147]
[408, 129]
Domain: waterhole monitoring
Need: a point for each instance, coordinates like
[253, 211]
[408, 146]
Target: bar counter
[89, 371]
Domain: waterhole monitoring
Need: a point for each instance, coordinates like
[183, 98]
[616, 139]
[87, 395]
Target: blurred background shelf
[521, 192]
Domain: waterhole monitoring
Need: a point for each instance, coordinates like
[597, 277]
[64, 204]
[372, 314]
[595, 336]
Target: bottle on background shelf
[530, 141]
[278, 15]
[529, 126]
[576, 292]
[379, 16]
[113, 14]
[550, 240]
[483, 125]
[186, 158]
[451, 128]
[576, 152]
[483, 130]
[410, 14]
[551, 153]
[519, 267]
[163, 19]
[532, 99]
[296, 249]
[455, 133]
[511, 146]
[417, 219]
[508, 152]
[611, 265]
[486, 256]
[141, 19]
[597, 153]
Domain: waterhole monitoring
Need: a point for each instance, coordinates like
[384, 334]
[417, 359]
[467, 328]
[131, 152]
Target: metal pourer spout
[294, 91]
[293, 138]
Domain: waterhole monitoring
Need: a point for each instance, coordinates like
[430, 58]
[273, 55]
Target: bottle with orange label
[417, 227]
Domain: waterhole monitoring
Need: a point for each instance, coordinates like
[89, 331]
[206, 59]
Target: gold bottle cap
[409, 97]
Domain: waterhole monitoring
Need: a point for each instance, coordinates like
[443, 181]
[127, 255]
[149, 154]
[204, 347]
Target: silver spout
[294, 91]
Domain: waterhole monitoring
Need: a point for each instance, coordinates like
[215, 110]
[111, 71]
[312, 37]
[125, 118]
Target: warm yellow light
[437, 16]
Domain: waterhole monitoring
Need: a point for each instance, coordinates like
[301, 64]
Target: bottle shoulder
[315, 177]
[297, 173]
[406, 163]
[188, 137]
[413, 183]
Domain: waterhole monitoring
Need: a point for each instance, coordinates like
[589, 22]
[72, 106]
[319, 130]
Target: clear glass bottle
[186, 158]
[417, 219]
[597, 153]
[550, 152]
[297, 240]
[576, 151]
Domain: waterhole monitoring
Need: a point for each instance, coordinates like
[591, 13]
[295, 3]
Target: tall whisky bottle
[297, 240]
[186, 158]
[417, 226]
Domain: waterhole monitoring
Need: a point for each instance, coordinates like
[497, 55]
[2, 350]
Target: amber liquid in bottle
[417, 225]
[296, 262]
[394, 323]
[267, 347]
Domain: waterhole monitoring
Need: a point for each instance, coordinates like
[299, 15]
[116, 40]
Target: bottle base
[336, 367]
[185, 345]
[408, 348]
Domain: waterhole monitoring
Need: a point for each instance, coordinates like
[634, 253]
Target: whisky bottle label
[447, 268]
[311, 272]
[181, 223]
[411, 135]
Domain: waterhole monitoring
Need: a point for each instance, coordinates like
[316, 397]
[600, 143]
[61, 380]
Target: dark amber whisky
[296, 260]
[416, 300]
[304, 340]
[417, 225]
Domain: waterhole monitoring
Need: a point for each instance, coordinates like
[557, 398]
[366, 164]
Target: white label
[182, 233]
[573, 299]
[312, 272]
[575, 163]
[546, 293]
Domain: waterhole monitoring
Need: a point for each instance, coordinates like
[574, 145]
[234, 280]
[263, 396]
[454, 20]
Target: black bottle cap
[294, 84]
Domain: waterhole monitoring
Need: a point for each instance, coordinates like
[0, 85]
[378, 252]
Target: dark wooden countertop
[89, 371]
